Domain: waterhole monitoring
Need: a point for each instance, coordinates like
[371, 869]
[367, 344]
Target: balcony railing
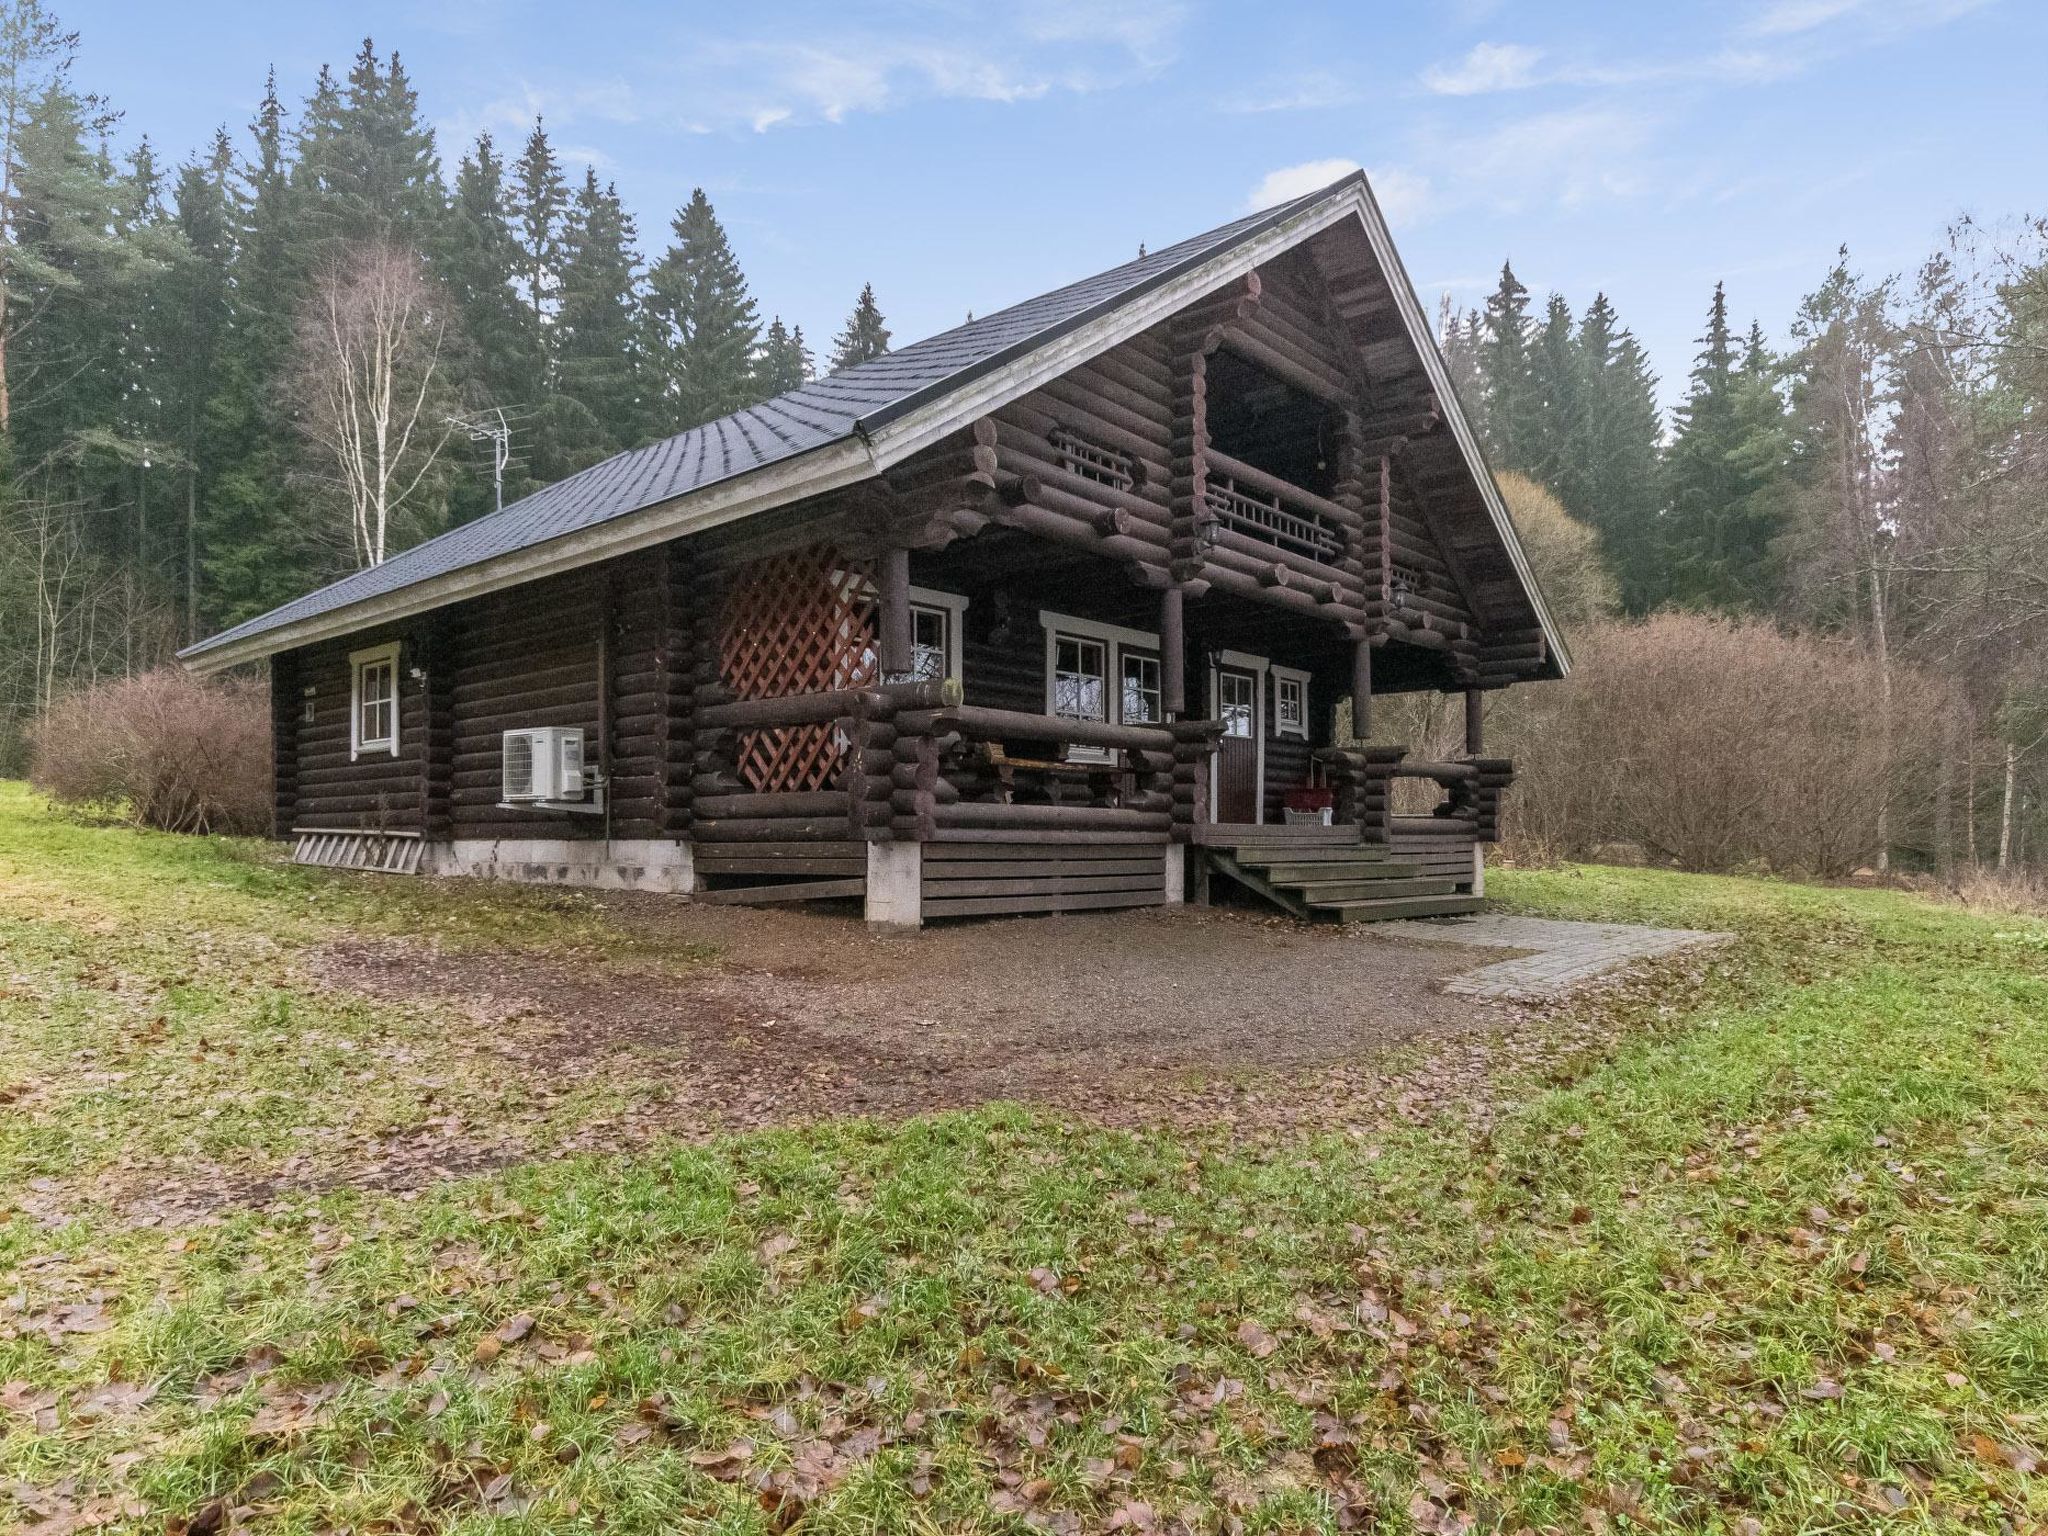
[1248, 501]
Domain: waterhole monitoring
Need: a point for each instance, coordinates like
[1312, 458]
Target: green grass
[1781, 1257]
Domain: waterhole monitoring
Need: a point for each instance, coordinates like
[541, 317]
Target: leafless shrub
[163, 749]
[1715, 745]
[2023, 892]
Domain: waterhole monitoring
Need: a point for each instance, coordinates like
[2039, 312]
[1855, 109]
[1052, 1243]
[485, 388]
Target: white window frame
[359, 662]
[954, 607]
[1114, 640]
[1259, 667]
[1282, 676]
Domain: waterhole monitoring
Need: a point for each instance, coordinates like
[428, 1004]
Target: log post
[1361, 689]
[896, 634]
[1173, 655]
[1475, 722]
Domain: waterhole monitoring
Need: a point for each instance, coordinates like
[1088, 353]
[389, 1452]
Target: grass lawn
[1776, 1262]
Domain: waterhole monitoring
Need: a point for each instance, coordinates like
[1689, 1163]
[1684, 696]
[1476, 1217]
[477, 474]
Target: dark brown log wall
[329, 788]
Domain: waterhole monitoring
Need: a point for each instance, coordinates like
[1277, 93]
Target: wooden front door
[1237, 753]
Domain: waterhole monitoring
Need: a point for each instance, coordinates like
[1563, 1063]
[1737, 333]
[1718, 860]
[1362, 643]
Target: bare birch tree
[368, 390]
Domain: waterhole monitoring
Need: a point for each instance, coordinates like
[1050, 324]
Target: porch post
[895, 636]
[1361, 689]
[1173, 655]
[1475, 722]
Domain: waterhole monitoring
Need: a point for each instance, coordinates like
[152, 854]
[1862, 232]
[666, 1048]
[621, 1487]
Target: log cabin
[1083, 604]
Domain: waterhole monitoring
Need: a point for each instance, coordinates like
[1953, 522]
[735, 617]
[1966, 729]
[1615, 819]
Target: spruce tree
[482, 265]
[865, 336]
[254, 557]
[197, 312]
[1621, 485]
[1558, 423]
[705, 322]
[367, 165]
[1724, 502]
[1504, 364]
[601, 330]
[540, 201]
[785, 361]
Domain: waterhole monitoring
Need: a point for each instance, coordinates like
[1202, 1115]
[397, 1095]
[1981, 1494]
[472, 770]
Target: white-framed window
[373, 700]
[1105, 672]
[1141, 696]
[1290, 703]
[935, 624]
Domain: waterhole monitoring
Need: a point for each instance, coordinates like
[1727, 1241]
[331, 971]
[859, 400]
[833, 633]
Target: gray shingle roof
[822, 412]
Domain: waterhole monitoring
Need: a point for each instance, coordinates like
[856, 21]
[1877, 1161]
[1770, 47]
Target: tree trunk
[2012, 786]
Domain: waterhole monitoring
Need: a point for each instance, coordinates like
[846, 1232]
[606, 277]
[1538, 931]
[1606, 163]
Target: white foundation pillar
[1479, 869]
[895, 897]
[1176, 874]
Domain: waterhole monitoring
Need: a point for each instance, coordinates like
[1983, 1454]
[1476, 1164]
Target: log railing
[1007, 770]
[875, 787]
[1363, 779]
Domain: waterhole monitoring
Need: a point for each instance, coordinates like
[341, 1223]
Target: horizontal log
[1053, 817]
[824, 802]
[985, 724]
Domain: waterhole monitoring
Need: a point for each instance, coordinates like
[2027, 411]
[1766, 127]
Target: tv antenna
[490, 426]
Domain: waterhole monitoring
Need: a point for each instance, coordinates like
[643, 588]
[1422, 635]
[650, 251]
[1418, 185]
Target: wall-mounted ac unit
[544, 766]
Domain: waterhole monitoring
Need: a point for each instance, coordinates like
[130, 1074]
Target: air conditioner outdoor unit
[544, 766]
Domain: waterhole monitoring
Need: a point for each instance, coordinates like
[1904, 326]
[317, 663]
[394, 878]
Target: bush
[1719, 744]
[163, 750]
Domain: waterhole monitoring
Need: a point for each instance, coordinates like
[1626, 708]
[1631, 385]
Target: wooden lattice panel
[801, 622]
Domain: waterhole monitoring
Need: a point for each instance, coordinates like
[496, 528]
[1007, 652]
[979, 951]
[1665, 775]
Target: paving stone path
[1560, 955]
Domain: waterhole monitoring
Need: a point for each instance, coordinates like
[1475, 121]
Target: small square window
[373, 700]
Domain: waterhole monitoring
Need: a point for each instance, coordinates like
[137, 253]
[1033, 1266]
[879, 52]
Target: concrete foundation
[1176, 874]
[895, 896]
[1479, 869]
[622, 864]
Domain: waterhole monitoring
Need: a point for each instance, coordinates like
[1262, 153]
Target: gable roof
[832, 432]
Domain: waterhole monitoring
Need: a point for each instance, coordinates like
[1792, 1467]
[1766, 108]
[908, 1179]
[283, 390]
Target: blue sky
[962, 156]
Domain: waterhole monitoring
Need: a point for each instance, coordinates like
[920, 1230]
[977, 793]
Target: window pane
[1080, 686]
[376, 704]
[1235, 694]
[1141, 690]
[1289, 703]
[929, 658]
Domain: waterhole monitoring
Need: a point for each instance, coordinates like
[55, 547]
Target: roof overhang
[905, 429]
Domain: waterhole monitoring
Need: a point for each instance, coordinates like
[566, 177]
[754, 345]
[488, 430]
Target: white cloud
[1488, 67]
[1402, 195]
[1782, 18]
[1551, 159]
[1292, 181]
[1311, 91]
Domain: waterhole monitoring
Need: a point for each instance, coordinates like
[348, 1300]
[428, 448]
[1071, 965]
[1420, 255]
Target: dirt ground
[1132, 1017]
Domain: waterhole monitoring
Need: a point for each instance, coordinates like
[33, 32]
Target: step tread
[1323, 893]
[1324, 873]
[1374, 910]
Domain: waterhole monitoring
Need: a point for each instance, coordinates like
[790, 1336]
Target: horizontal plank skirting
[1011, 869]
[941, 853]
[1039, 839]
[1042, 885]
[993, 906]
[711, 865]
[991, 879]
[791, 890]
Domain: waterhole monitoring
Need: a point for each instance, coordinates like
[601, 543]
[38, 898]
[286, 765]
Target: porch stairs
[1330, 873]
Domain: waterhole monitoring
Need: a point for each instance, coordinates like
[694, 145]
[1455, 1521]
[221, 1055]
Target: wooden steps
[1383, 911]
[1329, 873]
